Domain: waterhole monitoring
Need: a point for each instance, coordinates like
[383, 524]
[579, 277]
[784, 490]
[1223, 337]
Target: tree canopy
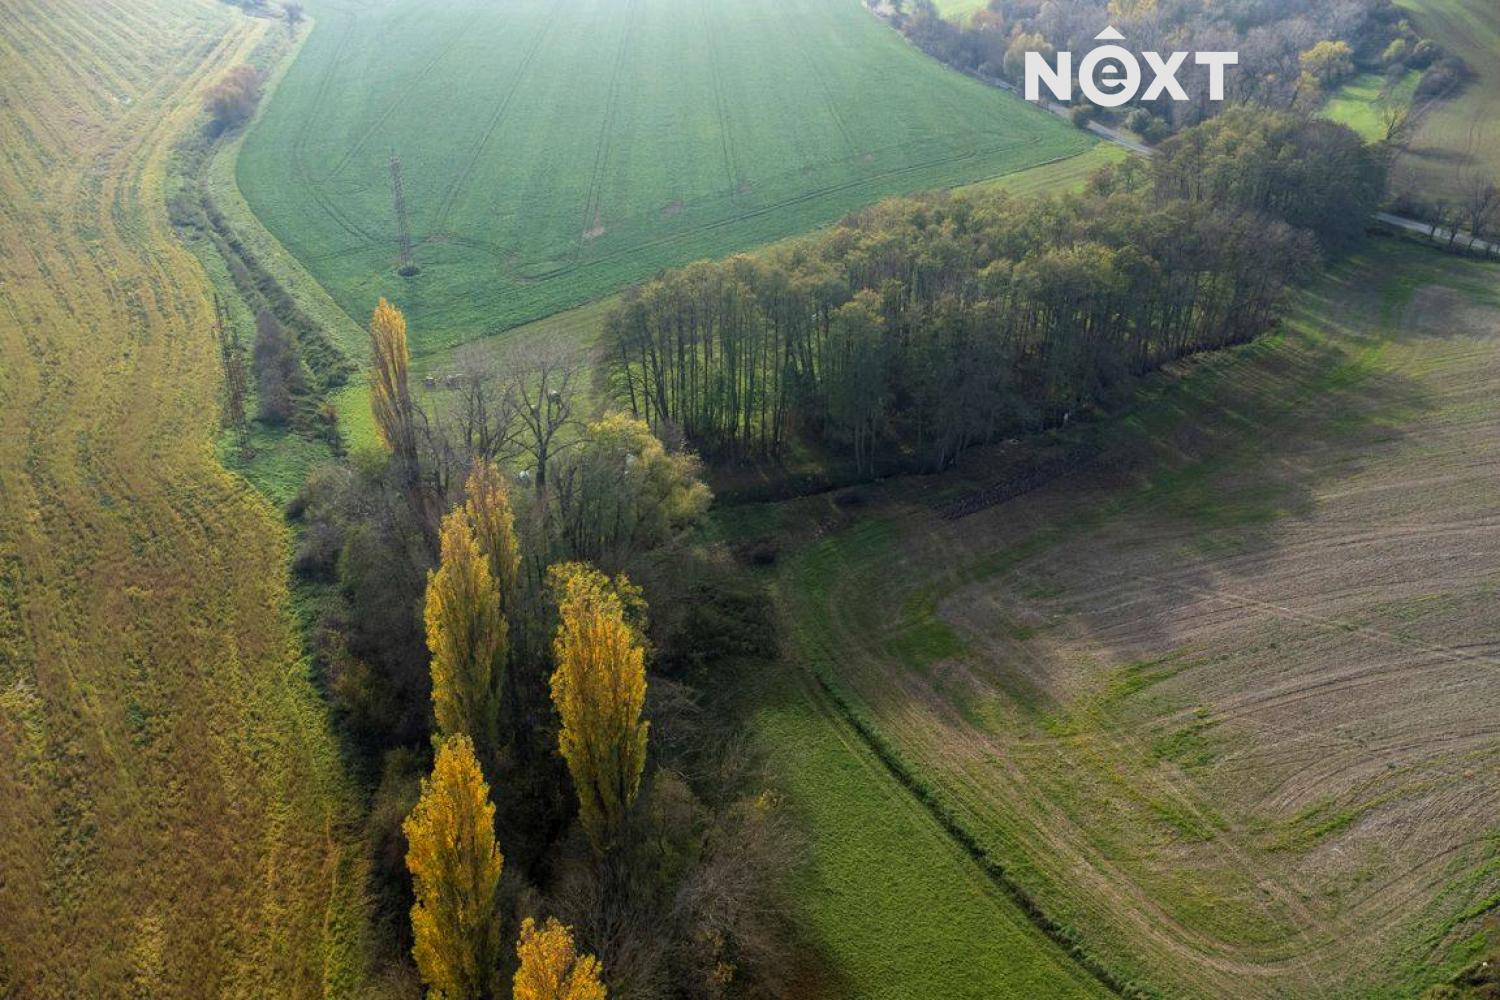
[455, 866]
[550, 966]
[599, 689]
[468, 636]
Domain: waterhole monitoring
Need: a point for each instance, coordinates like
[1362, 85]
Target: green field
[960, 10]
[1457, 139]
[1219, 700]
[1357, 103]
[580, 325]
[555, 150]
[894, 907]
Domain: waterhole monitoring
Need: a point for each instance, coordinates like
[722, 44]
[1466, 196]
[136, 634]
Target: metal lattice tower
[403, 229]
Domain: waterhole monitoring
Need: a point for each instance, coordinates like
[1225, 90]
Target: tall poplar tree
[468, 637]
[390, 392]
[491, 518]
[455, 867]
[599, 688]
[551, 968]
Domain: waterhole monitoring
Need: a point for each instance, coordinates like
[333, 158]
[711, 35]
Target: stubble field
[1221, 699]
[175, 818]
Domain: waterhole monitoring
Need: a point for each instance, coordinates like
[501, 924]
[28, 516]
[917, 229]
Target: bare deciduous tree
[1395, 121]
[1481, 206]
[543, 380]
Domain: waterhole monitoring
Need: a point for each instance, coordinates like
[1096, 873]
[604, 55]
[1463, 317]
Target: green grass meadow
[555, 150]
[1457, 138]
[960, 10]
[1357, 103]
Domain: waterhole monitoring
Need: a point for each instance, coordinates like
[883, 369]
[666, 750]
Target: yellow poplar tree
[390, 394]
[551, 968]
[455, 867]
[487, 505]
[468, 637]
[599, 688]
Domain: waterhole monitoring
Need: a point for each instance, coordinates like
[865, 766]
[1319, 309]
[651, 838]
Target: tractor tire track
[592, 203]
[772, 207]
[726, 138]
[456, 186]
[813, 63]
[403, 93]
[300, 167]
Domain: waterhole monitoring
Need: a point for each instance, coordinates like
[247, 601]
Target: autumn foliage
[551, 968]
[468, 637]
[455, 866]
[390, 394]
[232, 100]
[599, 688]
[487, 506]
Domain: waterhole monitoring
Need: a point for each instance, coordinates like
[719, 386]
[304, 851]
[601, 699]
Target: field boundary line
[997, 872]
[814, 660]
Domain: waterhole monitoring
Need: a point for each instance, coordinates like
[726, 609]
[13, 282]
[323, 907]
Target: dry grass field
[173, 811]
[1222, 699]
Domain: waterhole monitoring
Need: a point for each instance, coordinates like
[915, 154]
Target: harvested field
[1222, 698]
[174, 812]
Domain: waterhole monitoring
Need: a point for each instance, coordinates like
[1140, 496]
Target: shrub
[1424, 54]
[278, 371]
[232, 100]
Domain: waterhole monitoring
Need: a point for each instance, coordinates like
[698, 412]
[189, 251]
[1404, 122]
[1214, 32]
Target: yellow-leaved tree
[1131, 8]
[551, 968]
[455, 867]
[599, 688]
[487, 505]
[390, 394]
[468, 637]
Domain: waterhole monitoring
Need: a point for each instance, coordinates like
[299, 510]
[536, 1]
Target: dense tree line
[925, 325]
[518, 674]
[1292, 53]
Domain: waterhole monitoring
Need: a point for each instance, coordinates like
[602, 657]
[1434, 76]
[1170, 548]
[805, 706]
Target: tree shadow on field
[1198, 479]
[1193, 481]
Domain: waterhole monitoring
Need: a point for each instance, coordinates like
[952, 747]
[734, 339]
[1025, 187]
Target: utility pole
[403, 229]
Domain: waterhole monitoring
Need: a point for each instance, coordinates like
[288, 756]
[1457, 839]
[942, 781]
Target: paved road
[1426, 229]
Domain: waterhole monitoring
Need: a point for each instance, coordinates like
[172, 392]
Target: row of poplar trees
[598, 688]
[925, 325]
